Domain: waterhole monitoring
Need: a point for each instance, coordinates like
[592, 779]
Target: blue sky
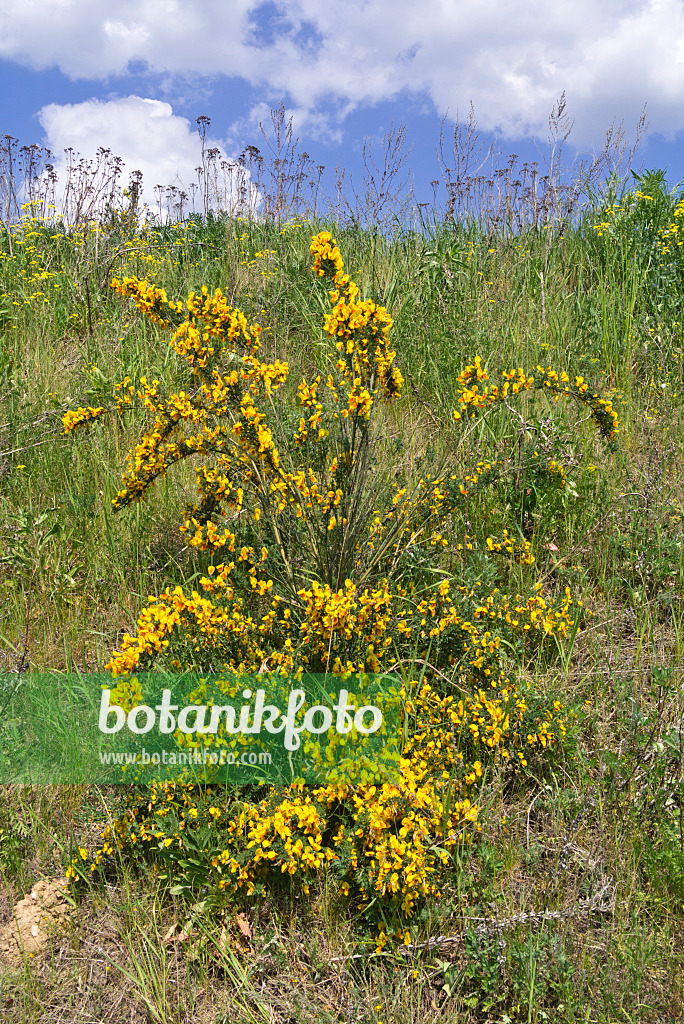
[134, 76]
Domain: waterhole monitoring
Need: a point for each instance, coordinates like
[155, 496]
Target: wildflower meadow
[441, 448]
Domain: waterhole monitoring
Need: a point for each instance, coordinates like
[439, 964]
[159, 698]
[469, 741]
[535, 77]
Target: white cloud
[144, 133]
[85, 40]
[511, 58]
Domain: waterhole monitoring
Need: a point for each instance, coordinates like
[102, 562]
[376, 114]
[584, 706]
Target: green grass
[570, 904]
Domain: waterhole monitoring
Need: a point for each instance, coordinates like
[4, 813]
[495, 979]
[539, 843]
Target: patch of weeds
[519, 979]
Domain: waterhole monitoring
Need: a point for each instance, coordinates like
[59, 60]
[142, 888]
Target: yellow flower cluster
[672, 235]
[341, 631]
[327, 257]
[210, 325]
[77, 417]
[362, 328]
[474, 394]
[389, 841]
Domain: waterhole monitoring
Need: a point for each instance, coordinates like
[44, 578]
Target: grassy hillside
[565, 902]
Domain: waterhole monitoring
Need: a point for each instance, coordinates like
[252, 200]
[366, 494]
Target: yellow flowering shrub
[320, 558]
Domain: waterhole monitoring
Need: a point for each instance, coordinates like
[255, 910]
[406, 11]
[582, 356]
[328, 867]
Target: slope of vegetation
[545, 879]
